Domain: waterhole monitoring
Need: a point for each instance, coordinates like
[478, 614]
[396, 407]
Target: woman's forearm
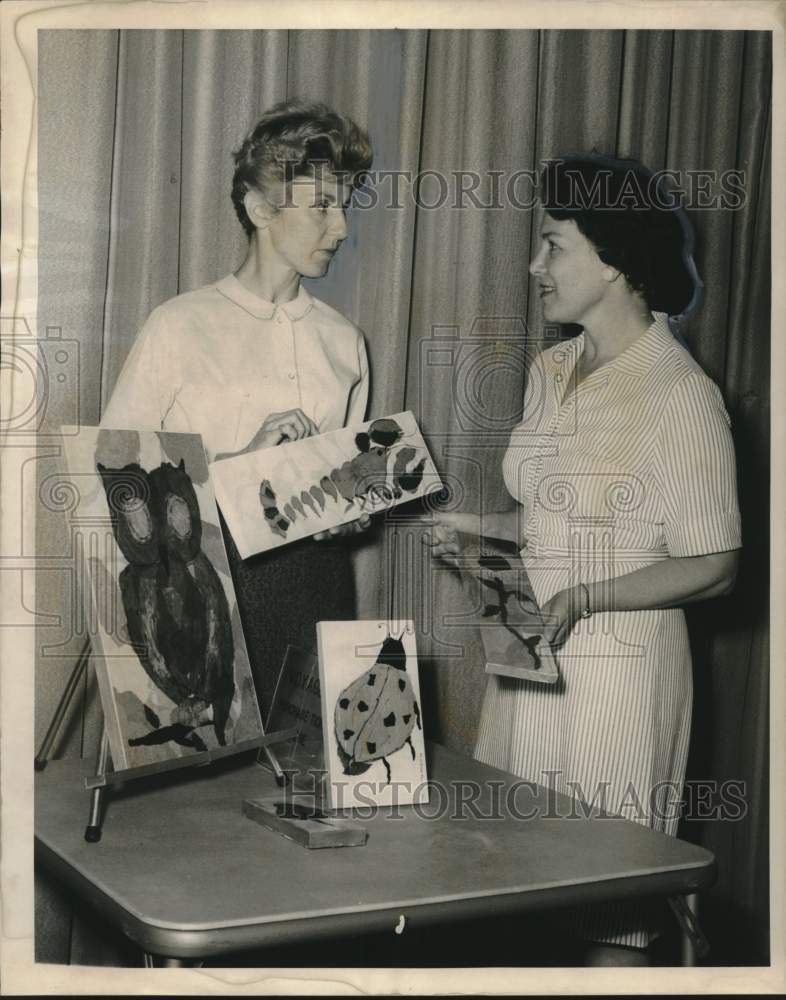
[666, 584]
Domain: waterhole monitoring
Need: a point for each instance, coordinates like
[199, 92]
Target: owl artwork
[176, 608]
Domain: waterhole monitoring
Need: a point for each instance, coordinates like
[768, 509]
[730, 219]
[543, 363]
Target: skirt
[614, 730]
[282, 594]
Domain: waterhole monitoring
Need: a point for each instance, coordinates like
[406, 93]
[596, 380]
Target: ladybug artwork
[377, 713]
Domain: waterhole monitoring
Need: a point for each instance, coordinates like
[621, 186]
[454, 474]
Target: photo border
[19, 21]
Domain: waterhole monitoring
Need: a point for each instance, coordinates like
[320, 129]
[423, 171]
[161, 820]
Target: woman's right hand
[445, 534]
[291, 425]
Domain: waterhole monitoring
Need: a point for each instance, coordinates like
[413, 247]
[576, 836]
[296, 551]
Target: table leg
[694, 943]
[158, 962]
[689, 957]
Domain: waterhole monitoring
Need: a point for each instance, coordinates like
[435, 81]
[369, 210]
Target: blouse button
[292, 375]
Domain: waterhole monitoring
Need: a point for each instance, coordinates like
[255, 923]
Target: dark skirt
[282, 594]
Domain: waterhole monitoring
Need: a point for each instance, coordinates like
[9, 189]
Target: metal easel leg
[62, 707]
[93, 830]
[277, 769]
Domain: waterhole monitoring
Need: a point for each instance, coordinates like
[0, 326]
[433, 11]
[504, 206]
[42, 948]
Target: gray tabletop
[185, 875]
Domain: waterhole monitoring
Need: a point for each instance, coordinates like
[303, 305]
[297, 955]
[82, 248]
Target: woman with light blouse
[254, 360]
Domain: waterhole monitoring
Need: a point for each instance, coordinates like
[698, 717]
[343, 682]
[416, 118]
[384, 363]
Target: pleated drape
[730, 337]
[135, 134]
[466, 338]
[227, 76]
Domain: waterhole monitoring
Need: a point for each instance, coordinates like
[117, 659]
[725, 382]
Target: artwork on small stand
[507, 614]
[168, 648]
[275, 496]
[372, 724]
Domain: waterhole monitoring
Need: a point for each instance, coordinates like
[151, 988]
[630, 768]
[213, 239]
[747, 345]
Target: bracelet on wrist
[586, 611]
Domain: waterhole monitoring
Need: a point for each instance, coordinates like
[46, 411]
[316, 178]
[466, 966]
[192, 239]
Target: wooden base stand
[298, 820]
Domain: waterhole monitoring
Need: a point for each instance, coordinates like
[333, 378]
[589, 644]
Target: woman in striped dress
[623, 470]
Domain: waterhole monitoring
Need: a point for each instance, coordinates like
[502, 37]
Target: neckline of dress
[636, 359]
[233, 289]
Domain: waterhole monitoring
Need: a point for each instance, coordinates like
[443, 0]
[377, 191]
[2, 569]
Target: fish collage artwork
[506, 614]
[275, 496]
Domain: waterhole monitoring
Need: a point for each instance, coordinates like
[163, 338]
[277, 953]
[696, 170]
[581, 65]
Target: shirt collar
[635, 360]
[236, 292]
[642, 354]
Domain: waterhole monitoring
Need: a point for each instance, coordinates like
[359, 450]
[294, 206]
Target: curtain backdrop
[135, 130]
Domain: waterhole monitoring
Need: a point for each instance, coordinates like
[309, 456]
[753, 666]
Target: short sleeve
[358, 396]
[144, 389]
[696, 470]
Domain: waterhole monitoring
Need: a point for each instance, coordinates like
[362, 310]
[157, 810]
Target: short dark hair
[625, 211]
[288, 141]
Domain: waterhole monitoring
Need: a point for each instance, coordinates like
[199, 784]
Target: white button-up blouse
[217, 361]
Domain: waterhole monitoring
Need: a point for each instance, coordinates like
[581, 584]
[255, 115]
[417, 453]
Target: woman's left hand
[560, 613]
[353, 528]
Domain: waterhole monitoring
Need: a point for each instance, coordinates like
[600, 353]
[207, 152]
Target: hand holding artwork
[291, 425]
[445, 533]
[353, 528]
[560, 613]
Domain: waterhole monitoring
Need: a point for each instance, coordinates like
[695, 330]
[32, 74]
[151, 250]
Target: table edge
[176, 941]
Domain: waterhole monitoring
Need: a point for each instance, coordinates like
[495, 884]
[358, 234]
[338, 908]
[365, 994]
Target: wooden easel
[103, 777]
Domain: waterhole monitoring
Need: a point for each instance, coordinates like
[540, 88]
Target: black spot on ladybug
[405, 719]
[348, 733]
[371, 747]
[362, 706]
[344, 703]
[389, 720]
[371, 679]
[401, 684]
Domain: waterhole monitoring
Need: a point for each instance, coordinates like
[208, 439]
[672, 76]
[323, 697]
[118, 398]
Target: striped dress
[634, 465]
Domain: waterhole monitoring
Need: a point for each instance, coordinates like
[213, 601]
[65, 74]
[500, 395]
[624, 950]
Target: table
[187, 877]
